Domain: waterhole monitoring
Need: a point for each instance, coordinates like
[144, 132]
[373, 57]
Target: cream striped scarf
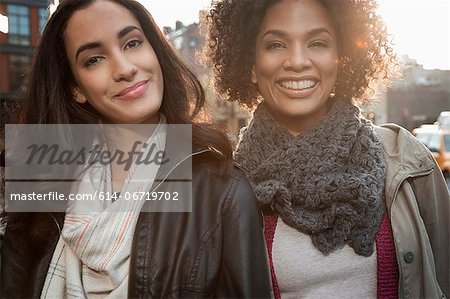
[92, 257]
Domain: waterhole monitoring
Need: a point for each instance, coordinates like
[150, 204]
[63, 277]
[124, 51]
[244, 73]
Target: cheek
[331, 63]
[147, 58]
[92, 85]
[267, 66]
[329, 69]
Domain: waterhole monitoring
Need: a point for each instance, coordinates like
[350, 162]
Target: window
[178, 42]
[18, 67]
[447, 142]
[193, 42]
[431, 140]
[434, 143]
[43, 18]
[19, 24]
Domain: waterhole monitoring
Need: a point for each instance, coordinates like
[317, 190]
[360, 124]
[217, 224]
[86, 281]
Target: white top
[302, 271]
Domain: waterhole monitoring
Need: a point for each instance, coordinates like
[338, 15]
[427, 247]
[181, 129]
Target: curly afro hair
[365, 55]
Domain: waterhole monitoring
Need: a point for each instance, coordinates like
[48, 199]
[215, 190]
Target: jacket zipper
[133, 244]
[56, 222]
[176, 165]
[400, 272]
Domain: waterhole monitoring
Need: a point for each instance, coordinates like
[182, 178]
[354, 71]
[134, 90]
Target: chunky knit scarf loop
[327, 182]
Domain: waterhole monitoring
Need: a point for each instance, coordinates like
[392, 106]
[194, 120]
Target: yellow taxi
[437, 140]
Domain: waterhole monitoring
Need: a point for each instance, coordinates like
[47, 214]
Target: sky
[167, 12]
[419, 28]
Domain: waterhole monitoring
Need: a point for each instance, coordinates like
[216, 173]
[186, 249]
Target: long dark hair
[49, 92]
[48, 99]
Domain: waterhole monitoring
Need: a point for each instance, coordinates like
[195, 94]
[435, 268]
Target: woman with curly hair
[350, 209]
[106, 61]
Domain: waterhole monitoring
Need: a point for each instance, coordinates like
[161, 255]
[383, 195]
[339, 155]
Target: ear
[78, 96]
[253, 79]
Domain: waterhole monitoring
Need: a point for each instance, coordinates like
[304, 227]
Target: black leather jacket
[217, 250]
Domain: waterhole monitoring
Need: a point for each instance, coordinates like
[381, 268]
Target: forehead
[99, 21]
[296, 15]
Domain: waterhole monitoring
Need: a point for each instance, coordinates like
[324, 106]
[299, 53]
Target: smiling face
[296, 63]
[115, 67]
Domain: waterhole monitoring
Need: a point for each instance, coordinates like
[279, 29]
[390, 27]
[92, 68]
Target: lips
[297, 88]
[133, 92]
[298, 84]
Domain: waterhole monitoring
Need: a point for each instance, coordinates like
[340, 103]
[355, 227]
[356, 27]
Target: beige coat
[418, 203]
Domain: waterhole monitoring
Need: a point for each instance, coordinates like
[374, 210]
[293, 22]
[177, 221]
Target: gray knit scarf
[327, 182]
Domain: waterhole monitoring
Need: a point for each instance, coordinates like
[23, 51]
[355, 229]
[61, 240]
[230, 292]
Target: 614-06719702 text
[56, 196]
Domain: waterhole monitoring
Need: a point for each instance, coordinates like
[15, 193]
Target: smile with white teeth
[298, 85]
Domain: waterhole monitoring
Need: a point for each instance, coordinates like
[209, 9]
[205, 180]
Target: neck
[298, 124]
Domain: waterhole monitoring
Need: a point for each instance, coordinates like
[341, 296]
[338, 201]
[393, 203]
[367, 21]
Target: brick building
[228, 117]
[22, 22]
[416, 98]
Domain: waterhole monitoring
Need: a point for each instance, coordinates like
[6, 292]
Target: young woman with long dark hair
[106, 61]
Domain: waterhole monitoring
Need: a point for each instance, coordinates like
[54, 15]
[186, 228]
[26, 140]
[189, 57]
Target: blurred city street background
[420, 31]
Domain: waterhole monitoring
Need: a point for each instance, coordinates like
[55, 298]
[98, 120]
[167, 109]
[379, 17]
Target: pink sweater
[387, 270]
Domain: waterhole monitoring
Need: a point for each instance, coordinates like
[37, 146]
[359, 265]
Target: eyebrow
[127, 30]
[312, 32]
[94, 45]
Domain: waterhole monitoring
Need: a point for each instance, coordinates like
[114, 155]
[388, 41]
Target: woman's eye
[319, 44]
[274, 45]
[133, 44]
[92, 61]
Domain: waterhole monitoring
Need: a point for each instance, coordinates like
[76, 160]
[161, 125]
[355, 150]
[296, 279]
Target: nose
[297, 59]
[123, 68]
